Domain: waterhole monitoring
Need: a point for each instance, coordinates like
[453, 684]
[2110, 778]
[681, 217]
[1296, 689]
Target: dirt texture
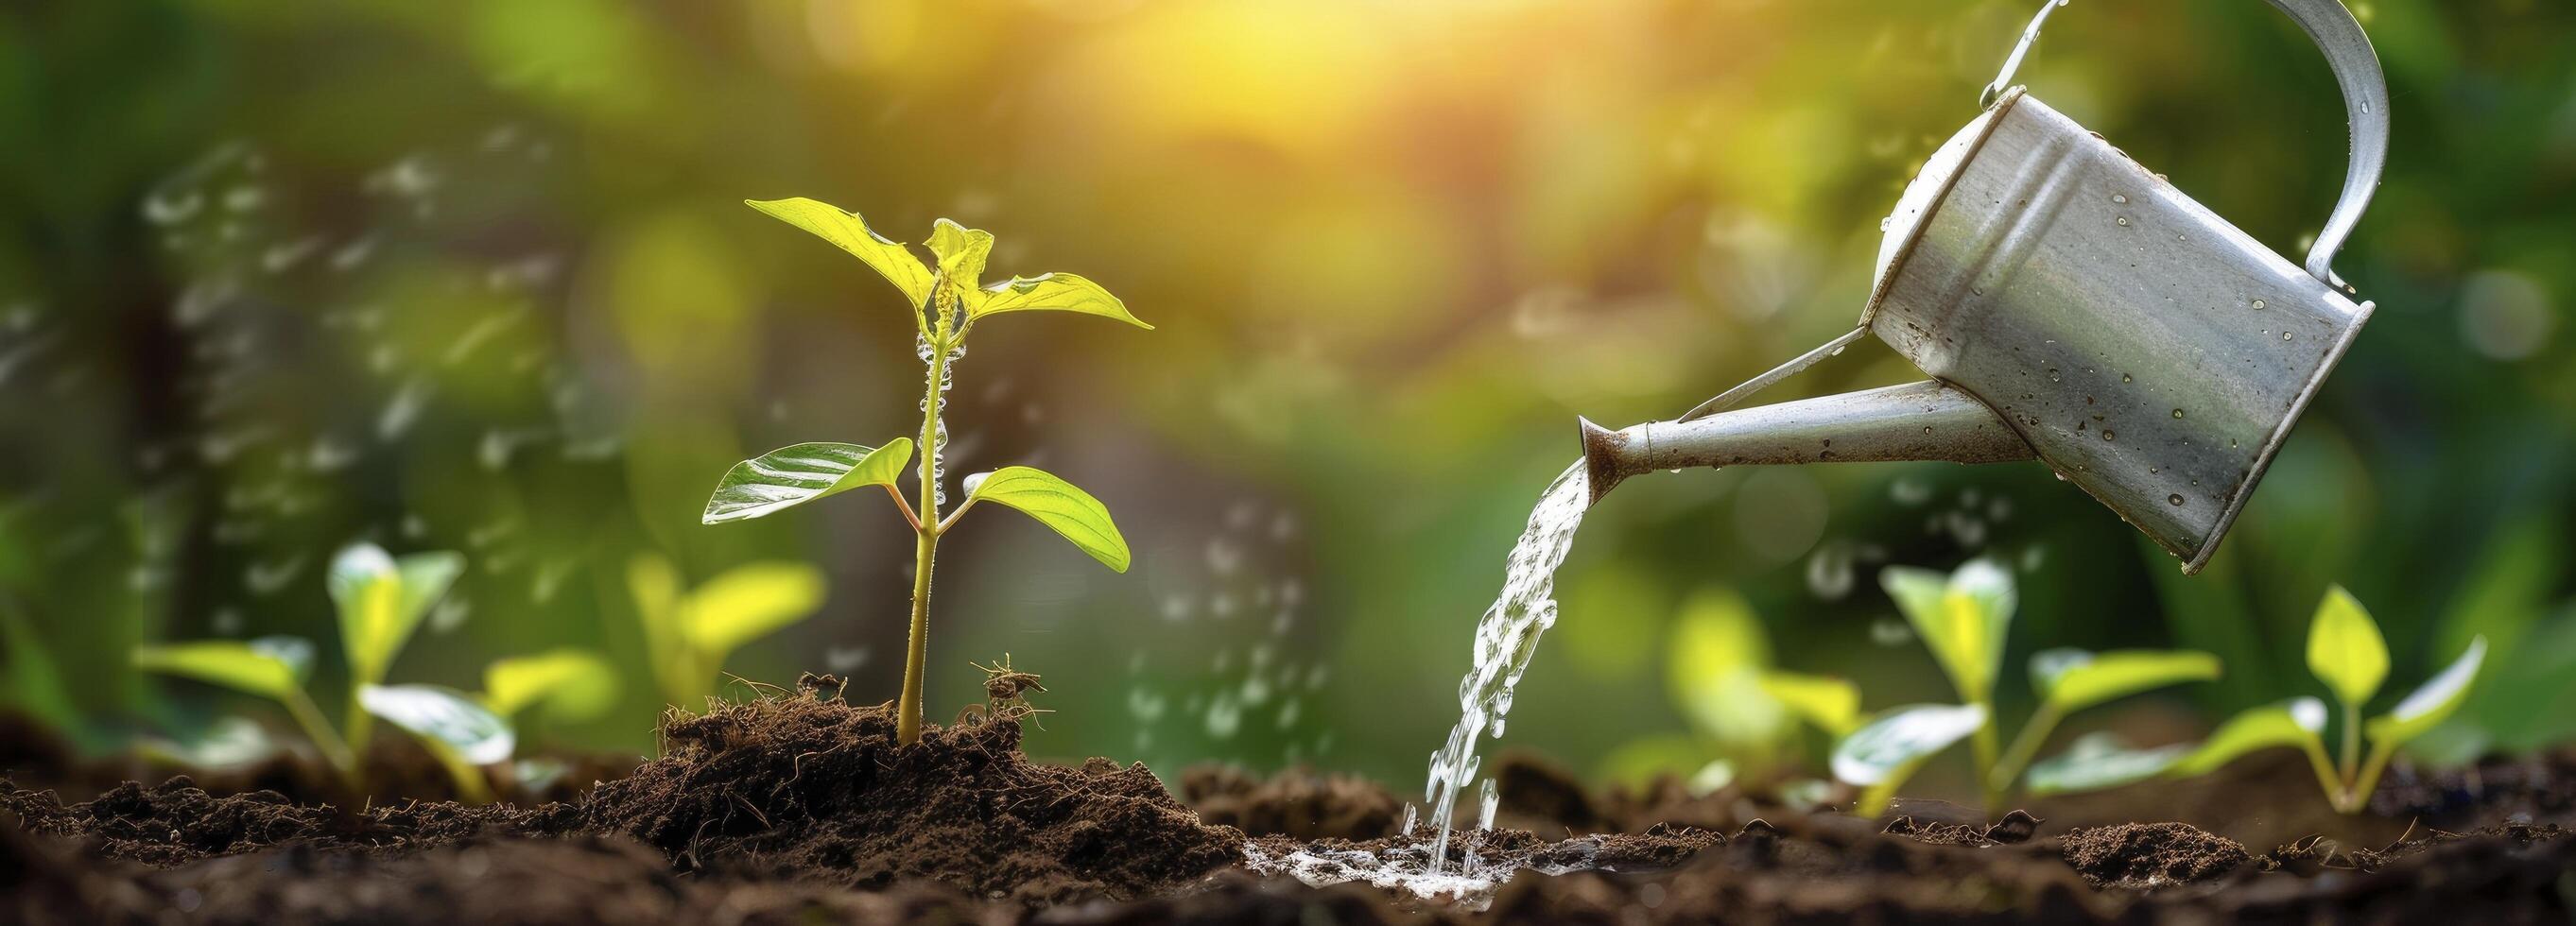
[800, 808]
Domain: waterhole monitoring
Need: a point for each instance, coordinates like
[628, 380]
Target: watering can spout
[1916, 421]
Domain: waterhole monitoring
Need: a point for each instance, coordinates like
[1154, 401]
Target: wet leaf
[1962, 617]
[444, 717]
[850, 233]
[1050, 292]
[2345, 649]
[1888, 749]
[2096, 761]
[1056, 503]
[793, 475]
[746, 603]
[2296, 722]
[382, 599]
[572, 684]
[240, 666]
[1832, 704]
[2073, 679]
[2433, 702]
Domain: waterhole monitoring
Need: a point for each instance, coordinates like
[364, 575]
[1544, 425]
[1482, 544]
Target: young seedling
[947, 299]
[381, 600]
[688, 635]
[1963, 617]
[2346, 652]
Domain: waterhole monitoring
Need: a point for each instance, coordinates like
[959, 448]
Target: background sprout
[1963, 617]
[687, 636]
[2347, 653]
[381, 600]
[946, 298]
[566, 685]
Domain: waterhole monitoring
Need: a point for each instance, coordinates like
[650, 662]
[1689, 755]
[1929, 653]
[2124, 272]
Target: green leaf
[2344, 648]
[2096, 761]
[232, 664]
[746, 603]
[445, 717]
[2296, 722]
[1832, 704]
[961, 252]
[793, 475]
[228, 743]
[1962, 618]
[1888, 749]
[2433, 702]
[850, 233]
[1050, 292]
[573, 684]
[382, 600]
[2072, 679]
[1057, 504]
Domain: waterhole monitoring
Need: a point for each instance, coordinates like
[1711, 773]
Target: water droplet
[2106, 434]
[2124, 221]
[2124, 377]
[2052, 374]
[2177, 413]
[2121, 198]
[2285, 335]
[2176, 499]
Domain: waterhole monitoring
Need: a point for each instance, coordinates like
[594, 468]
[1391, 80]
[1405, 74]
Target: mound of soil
[2143, 856]
[814, 788]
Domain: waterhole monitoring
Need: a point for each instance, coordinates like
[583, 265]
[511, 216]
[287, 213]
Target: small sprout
[688, 636]
[566, 685]
[380, 600]
[945, 297]
[2347, 653]
[1963, 618]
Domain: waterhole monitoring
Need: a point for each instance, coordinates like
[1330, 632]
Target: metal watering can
[2073, 307]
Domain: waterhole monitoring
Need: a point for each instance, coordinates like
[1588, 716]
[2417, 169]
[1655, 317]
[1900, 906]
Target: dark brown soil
[816, 789]
[800, 808]
[2144, 856]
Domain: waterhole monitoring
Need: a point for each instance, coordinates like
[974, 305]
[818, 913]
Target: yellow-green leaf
[1962, 617]
[1713, 664]
[2345, 649]
[443, 717]
[2433, 702]
[961, 252]
[1832, 704]
[1056, 503]
[748, 602]
[573, 684]
[1052, 292]
[2073, 679]
[382, 599]
[846, 230]
[793, 475]
[2296, 722]
[232, 664]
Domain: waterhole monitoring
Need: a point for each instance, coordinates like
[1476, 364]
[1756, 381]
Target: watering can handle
[2365, 99]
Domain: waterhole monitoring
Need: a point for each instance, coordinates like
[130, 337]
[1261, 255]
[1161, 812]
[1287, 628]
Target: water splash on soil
[1506, 638]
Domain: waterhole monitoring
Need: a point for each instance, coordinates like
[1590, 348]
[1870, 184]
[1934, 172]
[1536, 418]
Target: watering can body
[2074, 307]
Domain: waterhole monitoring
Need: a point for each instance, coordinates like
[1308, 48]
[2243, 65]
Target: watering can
[2073, 307]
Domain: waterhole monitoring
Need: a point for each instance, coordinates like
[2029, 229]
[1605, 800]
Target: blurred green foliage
[280, 276]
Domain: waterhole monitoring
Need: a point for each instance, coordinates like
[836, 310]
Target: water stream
[1506, 638]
